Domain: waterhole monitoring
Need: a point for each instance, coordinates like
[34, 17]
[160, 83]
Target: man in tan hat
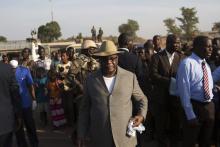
[106, 107]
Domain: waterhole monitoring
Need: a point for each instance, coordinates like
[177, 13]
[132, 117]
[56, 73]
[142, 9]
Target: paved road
[58, 138]
[53, 138]
[61, 138]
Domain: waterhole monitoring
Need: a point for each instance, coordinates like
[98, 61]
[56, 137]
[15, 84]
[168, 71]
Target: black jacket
[10, 101]
[130, 62]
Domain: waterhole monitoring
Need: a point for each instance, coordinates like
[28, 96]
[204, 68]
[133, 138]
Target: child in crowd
[54, 92]
[41, 96]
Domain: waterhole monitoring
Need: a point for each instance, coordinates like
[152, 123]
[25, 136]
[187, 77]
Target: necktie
[205, 82]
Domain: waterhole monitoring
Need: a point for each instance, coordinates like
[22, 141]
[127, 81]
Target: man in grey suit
[10, 106]
[106, 107]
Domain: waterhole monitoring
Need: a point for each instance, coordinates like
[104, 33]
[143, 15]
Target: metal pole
[51, 9]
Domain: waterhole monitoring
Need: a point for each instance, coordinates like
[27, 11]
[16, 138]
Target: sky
[19, 17]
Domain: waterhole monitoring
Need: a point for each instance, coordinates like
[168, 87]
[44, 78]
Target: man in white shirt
[64, 66]
[43, 61]
[63, 69]
[107, 105]
[166, 107]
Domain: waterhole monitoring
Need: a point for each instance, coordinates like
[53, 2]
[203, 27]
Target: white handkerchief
[131, 131]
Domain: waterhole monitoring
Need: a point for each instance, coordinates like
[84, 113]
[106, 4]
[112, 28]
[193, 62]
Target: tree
[79, 36]
[216, 26]
[188, 22]
[171, 26]
[131, 27]
[3, 39]
[49, 32]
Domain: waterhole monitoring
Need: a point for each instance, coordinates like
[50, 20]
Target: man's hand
[193, 122]
[137, 120]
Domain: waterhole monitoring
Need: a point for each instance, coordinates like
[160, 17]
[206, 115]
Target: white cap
[14, 63]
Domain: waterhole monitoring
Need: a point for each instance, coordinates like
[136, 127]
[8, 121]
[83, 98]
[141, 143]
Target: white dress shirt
[170, 56]
[109, 82]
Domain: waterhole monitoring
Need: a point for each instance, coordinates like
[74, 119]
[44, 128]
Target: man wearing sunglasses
[107, 105]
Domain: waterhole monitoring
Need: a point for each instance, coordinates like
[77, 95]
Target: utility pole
[51, 9]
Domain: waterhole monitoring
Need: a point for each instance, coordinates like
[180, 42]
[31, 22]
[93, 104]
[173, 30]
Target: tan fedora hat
[88, 44]
[106, 49]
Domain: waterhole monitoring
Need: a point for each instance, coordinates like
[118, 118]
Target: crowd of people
[101, 90]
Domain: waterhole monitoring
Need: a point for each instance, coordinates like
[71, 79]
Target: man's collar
[158, 51]
[197, 58]
[168, 53]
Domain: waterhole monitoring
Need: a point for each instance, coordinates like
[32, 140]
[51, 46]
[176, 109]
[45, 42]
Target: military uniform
[80, 68]
[73, 83]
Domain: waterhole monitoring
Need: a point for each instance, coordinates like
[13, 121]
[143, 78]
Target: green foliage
[188, 22]
[216, 26]
[79, 36]
[131, 27]
[171, 26]
[49, 32]
[3, 39]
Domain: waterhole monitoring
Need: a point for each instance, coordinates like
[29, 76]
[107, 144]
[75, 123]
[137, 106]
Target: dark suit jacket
[161, 73]
[130, 62]
[9, 98]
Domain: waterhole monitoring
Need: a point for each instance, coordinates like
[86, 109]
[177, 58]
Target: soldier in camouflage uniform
[84, 64]
[93, 31]
[81, 67]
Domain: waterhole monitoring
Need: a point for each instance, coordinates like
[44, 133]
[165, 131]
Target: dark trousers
[30, 127]
[205, 113]
[168, 122]
[6, 140]
[68, 105]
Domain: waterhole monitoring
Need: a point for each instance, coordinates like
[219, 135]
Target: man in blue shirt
[194, 85]
[27, 93]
